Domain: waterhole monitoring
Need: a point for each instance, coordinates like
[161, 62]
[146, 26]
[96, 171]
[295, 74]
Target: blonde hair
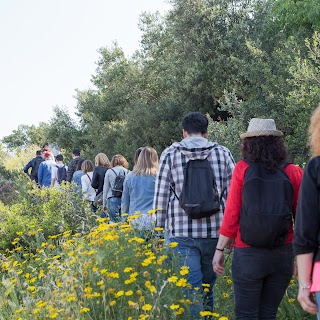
[314, 132]
[147, 164]
[87, 166]
[119, 160]
[101, 159]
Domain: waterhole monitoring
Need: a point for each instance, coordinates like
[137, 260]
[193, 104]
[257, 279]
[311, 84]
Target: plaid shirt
[169, 214]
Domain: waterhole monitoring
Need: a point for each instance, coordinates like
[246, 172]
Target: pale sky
[49, 49]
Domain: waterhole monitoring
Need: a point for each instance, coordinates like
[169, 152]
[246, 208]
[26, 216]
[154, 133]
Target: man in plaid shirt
[196, 238]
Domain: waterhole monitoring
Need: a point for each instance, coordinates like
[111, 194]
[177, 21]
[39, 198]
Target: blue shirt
[44, 172]
[76, 178]
[137, 196]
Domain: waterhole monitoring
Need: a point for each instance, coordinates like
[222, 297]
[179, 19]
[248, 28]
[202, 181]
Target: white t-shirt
[88, 192]
[54, 173]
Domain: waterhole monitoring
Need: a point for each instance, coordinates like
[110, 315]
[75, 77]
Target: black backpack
[117, 188]
[266, 212]
[35, 168]
[62, 174]
[199, 196]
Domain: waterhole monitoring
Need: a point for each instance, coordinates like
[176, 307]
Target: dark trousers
[260, 279]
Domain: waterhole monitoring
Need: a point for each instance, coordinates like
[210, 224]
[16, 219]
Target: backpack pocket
[264, 230]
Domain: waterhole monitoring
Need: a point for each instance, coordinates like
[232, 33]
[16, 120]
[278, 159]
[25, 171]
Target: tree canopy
[231, 59]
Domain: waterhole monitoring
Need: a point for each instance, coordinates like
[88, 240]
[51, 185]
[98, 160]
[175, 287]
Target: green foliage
[63, 130]
[51, 210]
[25, 136]
[298, 17]
[303, 98]
[195, 58]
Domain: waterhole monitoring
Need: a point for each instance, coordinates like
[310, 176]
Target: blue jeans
[260, 279]
[114, 209]
[317, 295]
[197, 254]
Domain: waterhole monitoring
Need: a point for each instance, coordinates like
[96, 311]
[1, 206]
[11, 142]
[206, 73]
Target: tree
[25, 136]
[64, 131]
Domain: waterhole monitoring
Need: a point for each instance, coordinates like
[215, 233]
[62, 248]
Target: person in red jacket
[260, 274]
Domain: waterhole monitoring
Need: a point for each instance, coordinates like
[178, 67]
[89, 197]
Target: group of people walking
[268, 211]
[97, 181]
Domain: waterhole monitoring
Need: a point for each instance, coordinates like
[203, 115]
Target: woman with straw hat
[262, 264]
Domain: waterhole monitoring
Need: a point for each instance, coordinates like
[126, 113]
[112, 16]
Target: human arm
[307, 222]
[70, 171]
[218, 258]
[304, 263]
[231, 218]
[295, 174]
[85, 183]
[162, 190]
[105, 190]
[228, 172]
[95, 178]
[53, 176]
[125, 199]
[40, 173]
[29, 165]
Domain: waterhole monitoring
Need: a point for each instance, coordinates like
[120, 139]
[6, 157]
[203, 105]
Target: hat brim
[276, 133]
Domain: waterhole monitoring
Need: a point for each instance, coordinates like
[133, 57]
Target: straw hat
[261, 127]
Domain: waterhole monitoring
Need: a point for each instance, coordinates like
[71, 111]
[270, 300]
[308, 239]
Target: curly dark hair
[268, 150]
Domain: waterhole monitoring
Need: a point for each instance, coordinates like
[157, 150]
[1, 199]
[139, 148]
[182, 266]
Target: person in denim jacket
[138, 191]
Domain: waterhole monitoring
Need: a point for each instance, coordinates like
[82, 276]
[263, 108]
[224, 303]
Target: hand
[218, 262]
[306, 301]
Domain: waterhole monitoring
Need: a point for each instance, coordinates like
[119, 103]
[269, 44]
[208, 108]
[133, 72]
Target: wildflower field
[60, 261]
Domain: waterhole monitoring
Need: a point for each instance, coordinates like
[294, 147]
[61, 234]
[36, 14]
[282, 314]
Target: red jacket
[230, 224]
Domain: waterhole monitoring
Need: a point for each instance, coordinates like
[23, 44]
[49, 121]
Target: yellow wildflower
[174, 306]
[184, 270]
[147, 307]
[172, 244]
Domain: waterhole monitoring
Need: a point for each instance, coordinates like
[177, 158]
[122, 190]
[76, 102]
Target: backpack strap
[124, 173]
[283, 164]
[171, 188]
[281, 167]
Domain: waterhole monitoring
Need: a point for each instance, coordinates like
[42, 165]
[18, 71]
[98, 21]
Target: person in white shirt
[55, 179]
[88, 191]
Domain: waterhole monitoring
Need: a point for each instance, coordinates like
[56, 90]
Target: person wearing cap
[45, 170]
[306, 243]
[260, 275]
[73, 163]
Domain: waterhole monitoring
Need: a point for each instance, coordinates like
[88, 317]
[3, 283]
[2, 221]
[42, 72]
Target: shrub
[108, 274]
[52, 210]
